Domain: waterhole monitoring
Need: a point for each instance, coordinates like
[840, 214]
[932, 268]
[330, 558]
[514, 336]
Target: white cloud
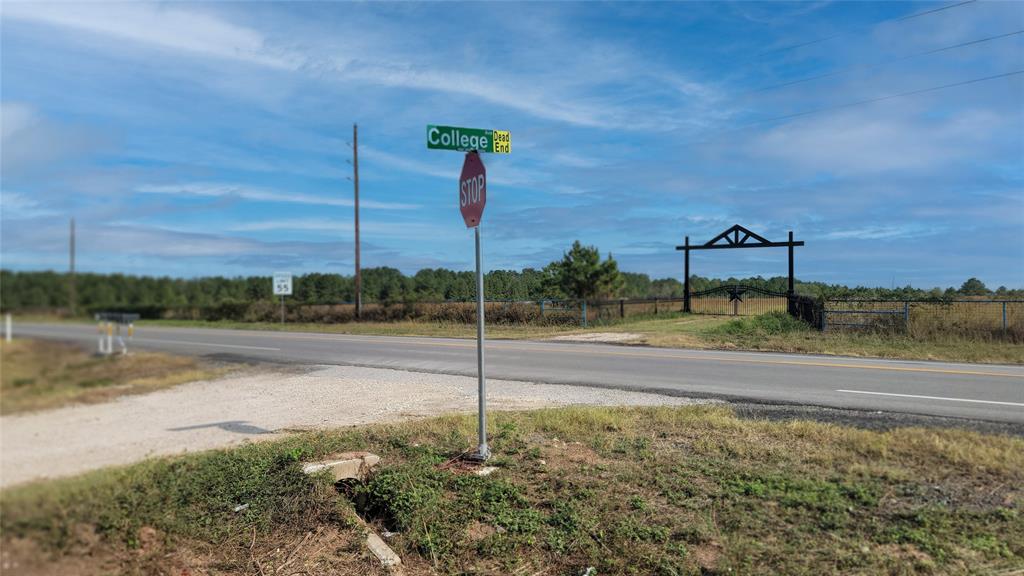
[558, 90]
[160, 26]
[396, 161]
[412, 230]
[214, 190]
[14, 205]
[505, 175]
[890, 232]
[31, 142]
[15, 117]
[866, 142]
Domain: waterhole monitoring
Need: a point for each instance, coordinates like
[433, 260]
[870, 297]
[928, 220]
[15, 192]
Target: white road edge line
[184, 343]
[933, 397]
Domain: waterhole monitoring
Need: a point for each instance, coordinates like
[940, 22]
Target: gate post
[686, 276]
[791, 290]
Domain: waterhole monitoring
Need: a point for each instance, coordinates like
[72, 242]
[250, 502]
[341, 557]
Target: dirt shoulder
[258, 405]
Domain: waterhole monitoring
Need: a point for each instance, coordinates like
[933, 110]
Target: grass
[39, 374]
[691, 490]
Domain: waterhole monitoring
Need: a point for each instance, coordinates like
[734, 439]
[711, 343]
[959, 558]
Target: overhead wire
[838, 34]
[847, 69]
[882, 98]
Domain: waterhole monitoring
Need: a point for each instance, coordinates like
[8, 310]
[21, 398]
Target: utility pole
[72, 296]
[355, 182]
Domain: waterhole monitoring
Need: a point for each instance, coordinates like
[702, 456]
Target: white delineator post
[8, 335]
[482, 453]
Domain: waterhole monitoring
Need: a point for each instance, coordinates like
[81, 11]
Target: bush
[769, 324]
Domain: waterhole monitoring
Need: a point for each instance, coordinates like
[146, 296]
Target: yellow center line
[661, 356]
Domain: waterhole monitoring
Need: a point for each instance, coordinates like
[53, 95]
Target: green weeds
[626, 491]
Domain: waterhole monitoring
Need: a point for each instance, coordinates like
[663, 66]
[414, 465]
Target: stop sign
[472, 189]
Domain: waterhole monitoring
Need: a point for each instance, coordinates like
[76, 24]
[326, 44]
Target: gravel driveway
[243, 408]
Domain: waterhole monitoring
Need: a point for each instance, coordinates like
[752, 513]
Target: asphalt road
[971, 391]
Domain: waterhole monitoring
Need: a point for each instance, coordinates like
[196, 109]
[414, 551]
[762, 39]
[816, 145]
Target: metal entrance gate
[738, 300]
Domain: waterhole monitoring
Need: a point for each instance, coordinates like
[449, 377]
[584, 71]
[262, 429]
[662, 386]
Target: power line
[932, 11]
[899, 19]
[853, 104]
[889, 97]
[847, 69]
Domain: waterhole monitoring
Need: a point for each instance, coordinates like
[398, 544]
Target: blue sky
[198, 139]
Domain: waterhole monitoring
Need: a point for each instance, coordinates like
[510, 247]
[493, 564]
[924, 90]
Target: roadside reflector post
[99, 333]
[120, 341]
[8, 335]
[110, 338]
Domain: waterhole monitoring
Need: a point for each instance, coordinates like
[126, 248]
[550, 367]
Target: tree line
[580, 273]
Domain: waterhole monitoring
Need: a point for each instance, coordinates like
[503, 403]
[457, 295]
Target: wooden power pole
[72, 296]
[355, 182]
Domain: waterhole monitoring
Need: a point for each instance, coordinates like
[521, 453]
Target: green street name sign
[466, 139]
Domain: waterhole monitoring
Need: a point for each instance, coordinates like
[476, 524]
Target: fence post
[622, 307]
[824, 319]
[655, 306]
[583, 313]
[1004, 317]
[906, 315]
[541, 308]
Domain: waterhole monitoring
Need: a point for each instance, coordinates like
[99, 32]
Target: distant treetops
[579, 273]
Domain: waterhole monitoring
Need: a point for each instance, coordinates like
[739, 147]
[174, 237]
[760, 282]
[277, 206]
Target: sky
[195, 139]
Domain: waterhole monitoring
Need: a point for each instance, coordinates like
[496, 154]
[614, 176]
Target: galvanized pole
[282, 308]
[355, 182]
[482, 453]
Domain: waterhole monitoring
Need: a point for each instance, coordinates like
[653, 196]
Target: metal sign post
[282, 288]
[482, 452]
[472, 199]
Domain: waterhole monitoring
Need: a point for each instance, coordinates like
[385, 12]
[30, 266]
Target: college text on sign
[468, 139]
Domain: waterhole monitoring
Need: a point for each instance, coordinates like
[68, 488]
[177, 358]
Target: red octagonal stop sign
[472, 189]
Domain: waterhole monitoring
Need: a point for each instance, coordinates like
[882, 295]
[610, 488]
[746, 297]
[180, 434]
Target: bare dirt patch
[252, 407]
[602, 338]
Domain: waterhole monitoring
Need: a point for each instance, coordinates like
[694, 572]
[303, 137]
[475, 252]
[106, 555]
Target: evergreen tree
[581, 273]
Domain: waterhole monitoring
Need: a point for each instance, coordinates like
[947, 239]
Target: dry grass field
[38, 374]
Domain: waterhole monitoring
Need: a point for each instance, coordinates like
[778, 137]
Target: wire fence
[928, 319]
[924, 319]
[501, 312]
